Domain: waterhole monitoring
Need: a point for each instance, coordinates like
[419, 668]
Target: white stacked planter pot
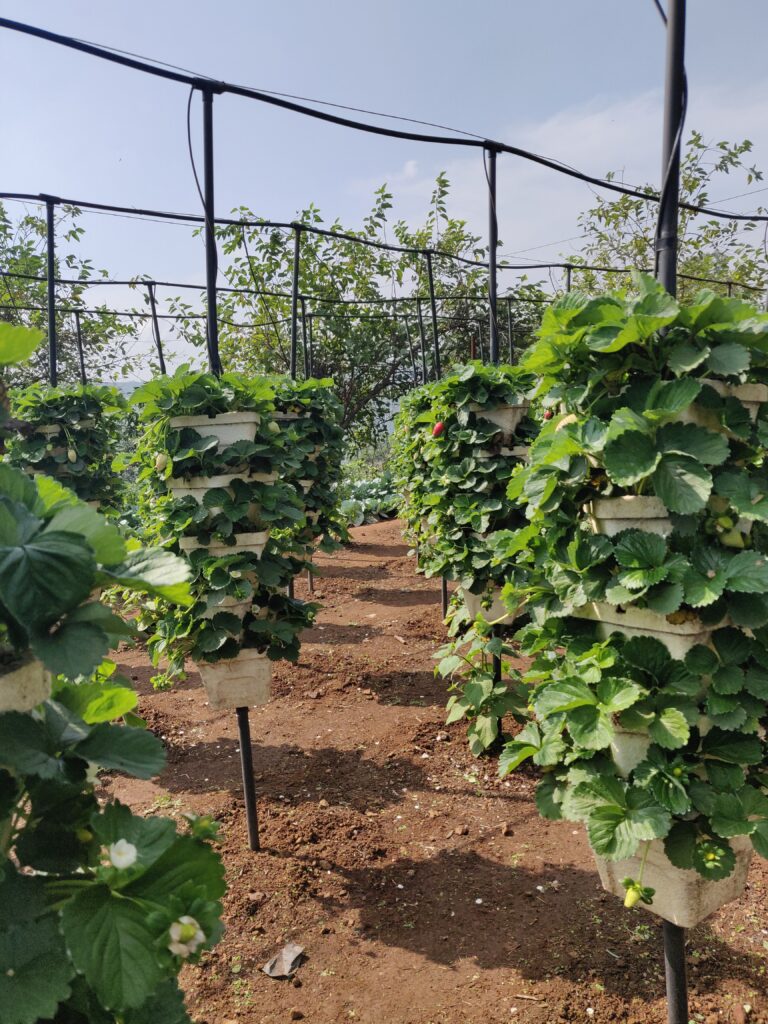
[226, 427]
[683, 897]
[24, 686]
[238, 682]
[751, 397]
[245, 543]
[678, 638]
[610, 516]
[493, 613]
[505, 417]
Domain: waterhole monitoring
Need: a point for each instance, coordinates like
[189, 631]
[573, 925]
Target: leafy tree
[106, 338]
[620, 231]
[370, 346]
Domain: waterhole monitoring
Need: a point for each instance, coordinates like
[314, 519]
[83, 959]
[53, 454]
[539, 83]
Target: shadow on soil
[571, 929]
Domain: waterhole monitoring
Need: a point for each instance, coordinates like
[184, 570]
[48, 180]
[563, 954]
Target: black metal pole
[493, 248]
[304, 342]
[79, 340]
[295, 298]
[675, 973]
[156, 327]
[480, 340]
[410, 351]
[433, 307]
[567, 279]
[211, 255]
[422, 342]
[509, 332]
[249, 789]
[674, 87]
[53, 369]
[311, 347]
[666, 272]
[444, 595]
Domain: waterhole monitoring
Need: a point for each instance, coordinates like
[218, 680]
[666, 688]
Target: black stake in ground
[310, 341]
[410, 351]
[156, 327]
[79, 340]
[50, 210]
[211, 272]
[666, 272]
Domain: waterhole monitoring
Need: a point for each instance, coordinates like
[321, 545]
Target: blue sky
[579, 81]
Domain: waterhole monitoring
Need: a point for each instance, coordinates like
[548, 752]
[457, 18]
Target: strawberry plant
[646, 558]
[69, 432]
[99, 908]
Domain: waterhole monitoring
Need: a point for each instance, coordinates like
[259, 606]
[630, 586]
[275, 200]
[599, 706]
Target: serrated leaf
[748, 573]
[615, 832]
[636, 549]
[682, 484]
[166, 1005]
[688, 439]
[188, 862]
[729, 359]
[630, 458]
[564, 696]
[111, 942]
[680, 844]
[590, 728]
[549, 797]
[133, 751]
[669, 729]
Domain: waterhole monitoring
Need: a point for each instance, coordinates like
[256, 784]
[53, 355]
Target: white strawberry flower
[122, 854]
[186, 936]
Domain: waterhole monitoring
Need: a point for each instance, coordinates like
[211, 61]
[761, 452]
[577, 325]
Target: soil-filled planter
[629, 512]
[250, 543]
[683, 897]
[628, 749]
[306, 485]
[497, 610]
[505, 417]
[518, 451]
[227, 427]
[238, 682]
[196, 486]
[24, 686]
[677, 638]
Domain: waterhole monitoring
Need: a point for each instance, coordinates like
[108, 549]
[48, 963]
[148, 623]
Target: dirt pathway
[424, 889]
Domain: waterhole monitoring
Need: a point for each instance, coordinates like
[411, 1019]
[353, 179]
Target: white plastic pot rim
[223, 418]
[243, 542]
[208, 483]
[628, 506]
[642, 618]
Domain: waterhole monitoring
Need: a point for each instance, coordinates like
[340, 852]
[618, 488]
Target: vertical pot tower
[649, 687]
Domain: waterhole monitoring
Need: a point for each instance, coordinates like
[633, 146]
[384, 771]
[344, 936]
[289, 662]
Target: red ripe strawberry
[548, 414]
[438, 428]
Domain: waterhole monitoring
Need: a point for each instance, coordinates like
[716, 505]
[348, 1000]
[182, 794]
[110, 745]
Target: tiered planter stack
[70, 433]
[649, 591]
[458, 441]
[216, 462]
[309, 415]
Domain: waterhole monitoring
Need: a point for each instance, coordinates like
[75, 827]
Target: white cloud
[537, 205]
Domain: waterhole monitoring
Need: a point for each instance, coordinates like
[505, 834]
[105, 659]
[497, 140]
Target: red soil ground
[424, 889]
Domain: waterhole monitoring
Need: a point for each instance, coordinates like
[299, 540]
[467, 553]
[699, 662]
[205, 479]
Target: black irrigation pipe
[212, 86]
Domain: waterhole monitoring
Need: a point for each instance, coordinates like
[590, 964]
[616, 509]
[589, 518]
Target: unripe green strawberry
[72, 455]
[161, 461]
[633, 896]
[273, 427]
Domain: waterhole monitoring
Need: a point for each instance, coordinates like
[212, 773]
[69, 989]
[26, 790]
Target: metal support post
[493, 248]
[410, 351]
[211, 255]
[433, 307]
[304, 341]
[422, 342]
[156, 327]
[295, 298]
[53, 369]
[79, 340]
[509, 332]
[249, 789]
